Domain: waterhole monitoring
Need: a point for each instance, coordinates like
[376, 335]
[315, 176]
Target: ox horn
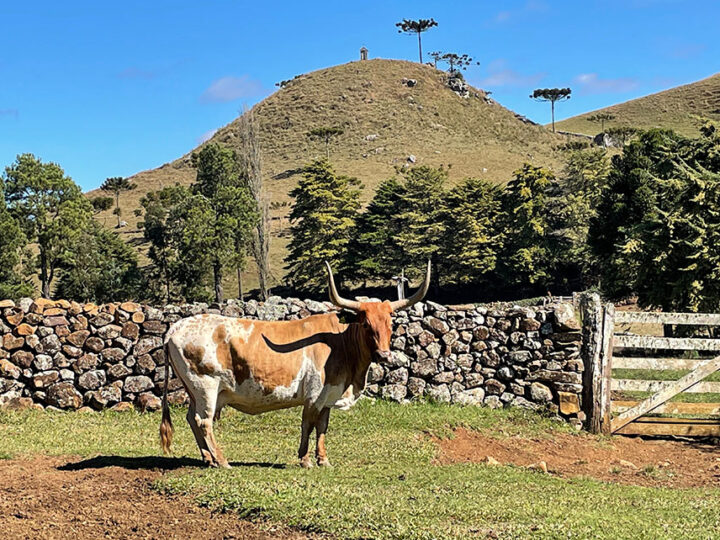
[335, 298]
[415, 298]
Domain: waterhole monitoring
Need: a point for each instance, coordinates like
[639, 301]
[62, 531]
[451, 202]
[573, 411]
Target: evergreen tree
[630, 195]
[473, 240]
[49, 207]
[526, 259]
[658, 227]
[221, 216]
[410, 26]
[12, 242]
[117, 185]
[374, 240]
[552, 95]
[99, 267]
[158, 206]
[322, 218]
[578, 194]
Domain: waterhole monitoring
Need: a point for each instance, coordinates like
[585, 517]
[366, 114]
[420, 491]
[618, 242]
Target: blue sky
[110, 89]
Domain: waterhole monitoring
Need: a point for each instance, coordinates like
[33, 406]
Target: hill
[678, 108]
[389, 110]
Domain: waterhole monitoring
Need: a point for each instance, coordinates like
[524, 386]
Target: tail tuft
[166, 425]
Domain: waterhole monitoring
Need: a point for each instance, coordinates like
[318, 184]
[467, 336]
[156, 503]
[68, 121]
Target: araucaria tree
[552, 95]
[325, 134]
[601, 118]
[220, 215]
[409, 26]
[455, 62]
[49, 207]
[116, 185]
[323, 217]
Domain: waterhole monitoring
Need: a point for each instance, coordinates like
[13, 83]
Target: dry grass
[472, 137]
[677, 109]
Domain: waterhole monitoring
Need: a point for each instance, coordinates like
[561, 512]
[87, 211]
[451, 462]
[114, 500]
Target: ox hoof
[305, 463]
[324, 462]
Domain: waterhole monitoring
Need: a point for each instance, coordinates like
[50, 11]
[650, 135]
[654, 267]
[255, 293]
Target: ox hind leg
[201, 422]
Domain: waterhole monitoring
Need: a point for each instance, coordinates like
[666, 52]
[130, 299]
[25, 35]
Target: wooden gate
[680, 402]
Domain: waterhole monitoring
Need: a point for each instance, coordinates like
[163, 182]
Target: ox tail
[166, 425]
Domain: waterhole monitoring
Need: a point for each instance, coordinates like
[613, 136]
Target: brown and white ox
[257, 366]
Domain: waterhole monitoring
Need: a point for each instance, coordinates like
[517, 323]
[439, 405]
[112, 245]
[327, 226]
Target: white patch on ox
[242, 331]
[348, 399]
[250, 396]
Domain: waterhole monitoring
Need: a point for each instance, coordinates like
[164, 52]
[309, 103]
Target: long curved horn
[335, 298]
[415, 298]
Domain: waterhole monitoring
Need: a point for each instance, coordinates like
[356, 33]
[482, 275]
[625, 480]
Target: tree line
[644, 222]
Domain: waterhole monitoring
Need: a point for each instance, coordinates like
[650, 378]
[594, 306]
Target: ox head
[375, 317]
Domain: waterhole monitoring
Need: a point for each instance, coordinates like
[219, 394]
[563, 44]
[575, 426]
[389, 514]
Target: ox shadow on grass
[154, 462]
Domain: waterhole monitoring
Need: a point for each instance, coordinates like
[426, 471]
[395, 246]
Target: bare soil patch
[51, 497]
[626, 460]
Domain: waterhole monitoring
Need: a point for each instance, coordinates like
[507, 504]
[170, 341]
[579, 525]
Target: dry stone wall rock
[69, 355]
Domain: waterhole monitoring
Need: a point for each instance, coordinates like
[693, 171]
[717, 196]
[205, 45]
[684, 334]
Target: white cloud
[231, 88]
[206, 136]
[590, 83]
[499, 74]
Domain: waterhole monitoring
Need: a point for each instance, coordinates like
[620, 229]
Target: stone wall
[69, 355]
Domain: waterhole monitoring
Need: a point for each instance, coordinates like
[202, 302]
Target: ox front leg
[308, 422]
[320, 429]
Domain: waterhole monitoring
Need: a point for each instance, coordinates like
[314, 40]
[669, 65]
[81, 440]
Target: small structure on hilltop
[363, 53]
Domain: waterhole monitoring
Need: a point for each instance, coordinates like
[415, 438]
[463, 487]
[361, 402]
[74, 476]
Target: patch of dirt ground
[626, 460]
[52, 497]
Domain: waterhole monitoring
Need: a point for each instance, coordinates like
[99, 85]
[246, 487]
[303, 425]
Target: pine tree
[374, 240]
[49, 207]
[419, 224]
[12, 242]
[221, 216]
[473, 240]
[526, 259]
[323, 216]
[116, 185]
[99, 267]
[578, 194]
[157, 207]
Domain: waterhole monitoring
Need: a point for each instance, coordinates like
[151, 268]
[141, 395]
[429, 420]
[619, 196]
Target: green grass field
[385, 482]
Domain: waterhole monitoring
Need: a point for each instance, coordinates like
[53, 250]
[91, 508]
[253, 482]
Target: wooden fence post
[608, 329]
[591, 352]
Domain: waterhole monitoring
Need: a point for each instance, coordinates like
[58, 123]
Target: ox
[257, 366]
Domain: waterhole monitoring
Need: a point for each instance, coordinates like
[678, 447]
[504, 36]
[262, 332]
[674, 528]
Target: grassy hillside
[384, 120]
[677, 109]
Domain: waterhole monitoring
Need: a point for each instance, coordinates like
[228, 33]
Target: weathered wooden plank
[672, 426]
[606, 356]
[671, 407]
[640, 385]
[669, 389]
[629, 362]
[590, 351]
[710, 319]
[653, 342]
